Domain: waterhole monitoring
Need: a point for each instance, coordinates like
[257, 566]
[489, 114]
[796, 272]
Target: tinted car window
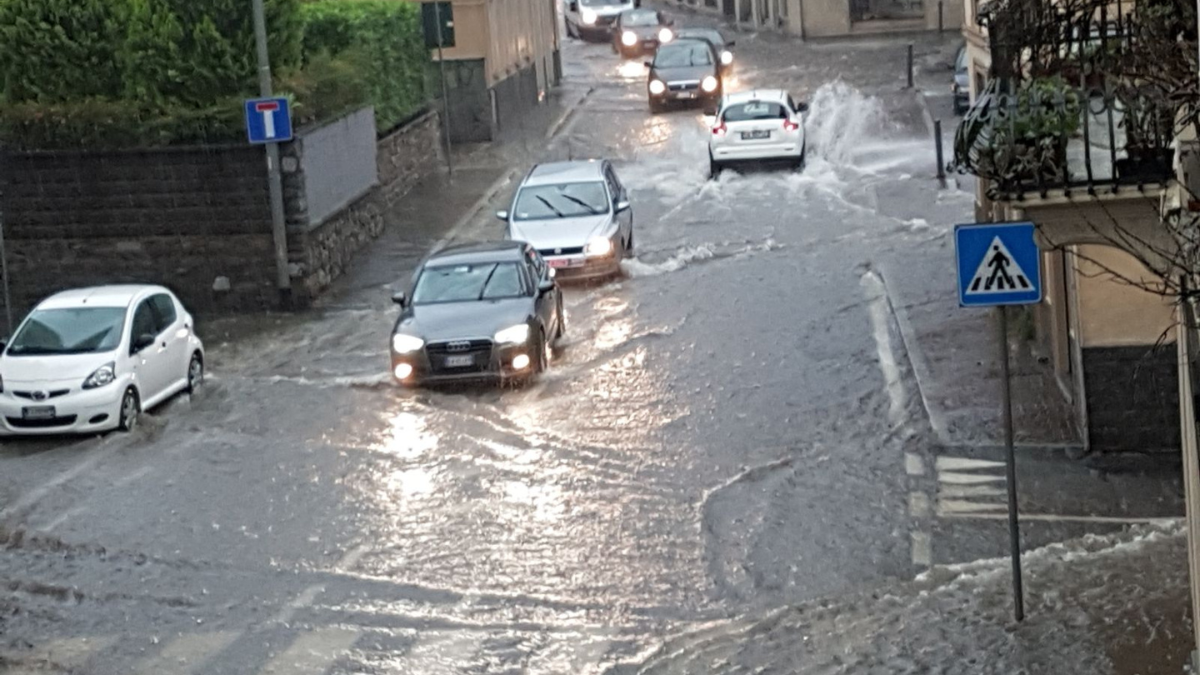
[69, 331]
[711, 36]
[754, 110]
[164, 311]
[640, 17]
[541, 202]
[682, 55]
[459, 283]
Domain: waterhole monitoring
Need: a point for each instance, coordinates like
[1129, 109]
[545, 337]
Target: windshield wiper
[549, 206]
[488, 280]
[589, 207]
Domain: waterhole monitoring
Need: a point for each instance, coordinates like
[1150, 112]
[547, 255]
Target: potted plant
[1148, 134]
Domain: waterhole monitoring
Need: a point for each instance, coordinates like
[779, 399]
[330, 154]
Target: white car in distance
[757, 126]
[92, 359]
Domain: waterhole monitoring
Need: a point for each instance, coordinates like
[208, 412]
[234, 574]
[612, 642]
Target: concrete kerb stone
[916, 359]
[568, 114]
[923, 102]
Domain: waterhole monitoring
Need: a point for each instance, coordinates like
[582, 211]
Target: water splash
[841, 119]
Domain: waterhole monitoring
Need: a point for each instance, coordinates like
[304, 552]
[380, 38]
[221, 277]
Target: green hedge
[383, 40]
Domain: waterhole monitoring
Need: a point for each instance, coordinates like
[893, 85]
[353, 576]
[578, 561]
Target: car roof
[99, 296]
[702, 33]
[777, 95]
[485, 252]
[555, 173]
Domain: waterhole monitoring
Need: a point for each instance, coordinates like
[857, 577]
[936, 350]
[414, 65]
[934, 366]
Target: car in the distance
[761, 125]
[962, 82]
[716, 39]
[686, 71]
[641, 31]
[578, 216]
[476, 312]
[593, 19]
[92, 359]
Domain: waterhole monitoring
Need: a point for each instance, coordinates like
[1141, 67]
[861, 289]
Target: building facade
[504, 60]
[833, 18]
[1053, 141]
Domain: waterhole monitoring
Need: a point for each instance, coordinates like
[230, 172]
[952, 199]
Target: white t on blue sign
[268, 120]
[998, 264]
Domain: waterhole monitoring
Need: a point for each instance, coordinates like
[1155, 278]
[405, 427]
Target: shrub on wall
[382, 39]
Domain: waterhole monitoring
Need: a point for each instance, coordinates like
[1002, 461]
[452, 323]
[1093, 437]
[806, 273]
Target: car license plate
[560, 262]
[755, 135]
[460, 361]
[39, 412]
[685, 94]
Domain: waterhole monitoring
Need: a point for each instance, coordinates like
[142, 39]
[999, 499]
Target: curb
[567, 114]
[925, 112]
[460, 224]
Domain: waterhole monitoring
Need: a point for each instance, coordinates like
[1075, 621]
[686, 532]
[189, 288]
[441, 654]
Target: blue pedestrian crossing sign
[268, 120]
[998, 264]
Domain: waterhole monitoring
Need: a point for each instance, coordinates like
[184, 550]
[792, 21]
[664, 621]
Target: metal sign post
[999, 265]
[283, 279]
[435, 35]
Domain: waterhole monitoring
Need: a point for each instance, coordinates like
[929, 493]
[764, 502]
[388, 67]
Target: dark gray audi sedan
[478, 312]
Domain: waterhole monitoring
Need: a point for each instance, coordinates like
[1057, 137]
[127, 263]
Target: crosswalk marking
[968, 478]
[312, 653]
[969, 486]
[947, 463]
[185, 654]
[68, 654]
[442, 653]
[968, 491]
[946, 506]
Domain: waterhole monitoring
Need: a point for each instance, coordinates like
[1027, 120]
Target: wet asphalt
[731, 427]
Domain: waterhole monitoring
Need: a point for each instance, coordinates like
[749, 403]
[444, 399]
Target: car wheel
[562, 320]
[656, 108]
[545, 353]
[714, 168]
[131, 410]
[571, 32]
[195, 374]
[629, 245]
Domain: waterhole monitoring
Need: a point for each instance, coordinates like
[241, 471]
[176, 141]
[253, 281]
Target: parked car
[687, 71]
[478, 311]
[713, 37]
[760, 125]
[593, 19]
[641, 31]
[578, 216]
[93, 359]
[962, 82]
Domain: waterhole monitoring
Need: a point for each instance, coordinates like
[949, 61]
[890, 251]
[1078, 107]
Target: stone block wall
[407, 153]
[1132, 398]
[189, 219]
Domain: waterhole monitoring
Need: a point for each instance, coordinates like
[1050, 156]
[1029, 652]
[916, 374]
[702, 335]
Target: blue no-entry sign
[998, 264]
[268, 120]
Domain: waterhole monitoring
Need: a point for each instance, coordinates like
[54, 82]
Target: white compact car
[93, 359]
[593, 19]
[761, 125]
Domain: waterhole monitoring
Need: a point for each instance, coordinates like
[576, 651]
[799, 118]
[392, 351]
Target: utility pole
[1191, 450]
[283, 278]
[437, 17]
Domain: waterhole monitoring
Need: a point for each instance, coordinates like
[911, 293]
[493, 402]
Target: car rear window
[754, 110]
[683, 55]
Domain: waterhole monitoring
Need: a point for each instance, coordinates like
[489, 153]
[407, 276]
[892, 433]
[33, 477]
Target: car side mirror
[574, 7]
[502, 215]
[622, 205]
[648, 64]
[545, 286]
[801, 107]
[400, 298]
[142, 342]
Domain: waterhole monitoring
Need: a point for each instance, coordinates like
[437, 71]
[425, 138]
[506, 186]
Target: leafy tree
[60, 50]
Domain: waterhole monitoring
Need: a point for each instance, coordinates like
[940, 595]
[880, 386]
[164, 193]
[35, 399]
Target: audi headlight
[665, 35]
[726, 58]
[104, 375]
[406, 344]
[589, 16]
[709, 84]
[599, 246]
[629, 38]
[513, 335]
[657, 87]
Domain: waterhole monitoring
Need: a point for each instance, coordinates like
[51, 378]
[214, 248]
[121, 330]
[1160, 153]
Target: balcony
[1049, 136]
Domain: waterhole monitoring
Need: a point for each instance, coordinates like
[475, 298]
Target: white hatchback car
[93, 359]
[760, 125]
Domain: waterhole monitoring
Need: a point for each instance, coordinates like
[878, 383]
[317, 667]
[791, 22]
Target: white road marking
[877, 303]
[913, 464]
[968, 491]
[922, 549]
[951, 506]
[67, 654]
[187, 653]
[442, 652]
[312, 653]
[918, 505]
[968, 478]
[74, 511]
[31, 498]
[305, 599]
[348, 561]
[965, 464]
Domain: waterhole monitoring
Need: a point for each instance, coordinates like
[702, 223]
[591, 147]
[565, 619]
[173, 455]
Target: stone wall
[406, 154]
[471, 119]
[1132, 398]
[190, 219]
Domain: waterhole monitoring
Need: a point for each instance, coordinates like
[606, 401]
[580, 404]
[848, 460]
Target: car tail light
[719, 129]
[789, 125]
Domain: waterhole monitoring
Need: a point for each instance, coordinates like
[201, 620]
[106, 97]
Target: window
[164, 311]
[640, 17]
[684, 55]
[614, 185]
[78, 330]
[461, 283]
[536, 263]
[568, 200]
[145, 322]
[754, 110]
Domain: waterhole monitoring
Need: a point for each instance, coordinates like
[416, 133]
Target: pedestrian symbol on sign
[998, 272]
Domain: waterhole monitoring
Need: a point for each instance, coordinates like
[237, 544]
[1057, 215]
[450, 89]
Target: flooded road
[729, 429]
